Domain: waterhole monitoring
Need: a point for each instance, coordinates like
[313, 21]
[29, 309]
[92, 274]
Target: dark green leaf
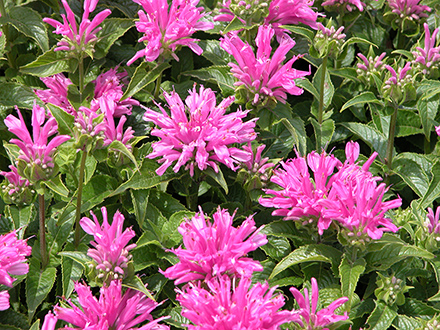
[217, 74]
[122, 148]
[214, 53]
[140, 202]
[346, 73]
[57, 186]
[28, 22]
[366, 97]
[349, 273]
[135, 283]
[218, 178]
[427, 109]
[50, 63]
[434, 187]
[412, 173]
[382, 317]
[142, 77]
[323, 132]
[38, 285]
[64, 120]
[12, 94]
[307, 253]
[328, 90]
[96, 190]
[302, 31]
[112, 30]
[276, 247]
[403, 322]
[71, 272]
[21, 216]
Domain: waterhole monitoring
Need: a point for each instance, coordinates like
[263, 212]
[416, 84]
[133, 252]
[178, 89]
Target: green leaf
[140, 202]
[119, 146]
[71, 272]
[371, 136]
[38, 285]
[112, 30]
[234, 25]
[403, 322]
[142, 77]
[434, 187]
[382, 317]
[64, 120]
[135, 283]
[36, 325]
[21, 216]
[357, 40]
[323, 132]
[57, 186]
[349, 273]
[302, 31]
[366, 97]
[217, 74]
[170, 231]
[412, 173]
[12, 94]
[417, 308]
[50, 63]
[217, 177]
[146, 178]
[329, 89]
[12, 318]
[214, 53]
[346, 73]
[427, 109]
[308, 253]
[308, 86]
[276, 247]
[28, 22]
[96, 190]
[78, 256]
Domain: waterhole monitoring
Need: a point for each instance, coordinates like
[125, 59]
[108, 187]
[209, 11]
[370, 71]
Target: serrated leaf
[302, 31]
[412, 173]
[146, 178]
[308, 86]
[140, 201]
[346, 73]
[71, 272]
[170, 228]
[96, 190]
[21, 216]
[64, 120]
[142, 77]
[28, 22]
[218, 178]
[50, 63]
[135, 283]
[371, 136]
[57, 186]
[312, 252]
[79, 256]
[328, 90]
[112, 29]
[350, 273]
[12, 318]
[366, 97]
[434, 187]
[38, 285]
[403, 322]
[417, 308]
[217, 74]
[323, 132]
[427, 109]
[12, 94]
[235, 24]
[381, 317]
[357, 40]
[276, 247]
[36, 325]
[122, 148]
[214, 53]
[128, 7]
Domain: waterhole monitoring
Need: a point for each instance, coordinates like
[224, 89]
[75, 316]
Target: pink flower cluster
[110, 253]
[427, 59]
[349, 4]
[35, 160]
[15, 189]
[80, 39]
[113, 310]
[165, 29]
[410, 9]
[199, 134]
[351, 196]
[212, 249]
[263, 76]
[13, 253]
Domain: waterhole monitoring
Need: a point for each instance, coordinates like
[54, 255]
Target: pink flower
[307, 316]
[109, 85]
[113, 310]
[399, 84]
[212, 249]
[15, 189]
[301, 194]
[110, 253]
[166, 30]
[248, 12]
[262, 75]
[4, 300]
[57, 92]
[205, 138]
[35, 160]
[345, 3]
[428, 59]
[409, 9]
[226, 305]
[78, 39]
[371, 64]
[13, 253]
[257, 165]
[291, 12]
[432, 221]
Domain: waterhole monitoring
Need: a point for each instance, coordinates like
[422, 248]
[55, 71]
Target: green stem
[79, 197]
[321, 101]
[391, 135]
[157, 88]
[81, 78]
[42, 222]
[192, 195]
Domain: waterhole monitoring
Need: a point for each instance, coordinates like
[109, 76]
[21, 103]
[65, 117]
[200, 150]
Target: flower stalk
[79, 197]
[391, 135]
[42, 223]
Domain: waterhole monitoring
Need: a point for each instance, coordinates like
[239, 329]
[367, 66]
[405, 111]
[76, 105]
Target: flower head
[113, 310]
[78, 40]
[166, 29]
[15, 189]
[369, 67]
[399, 85]
[308, 317]
[432, 221]
[225, 305]
[257, 165]
[35, 160]
[57, 92]
[328, 40]
[212, 249]
[13, 253]
[199, 134]
[291, 12]
[249, 12]
[110, 253]
[406, 14]
[263, 77]
[427, 59]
